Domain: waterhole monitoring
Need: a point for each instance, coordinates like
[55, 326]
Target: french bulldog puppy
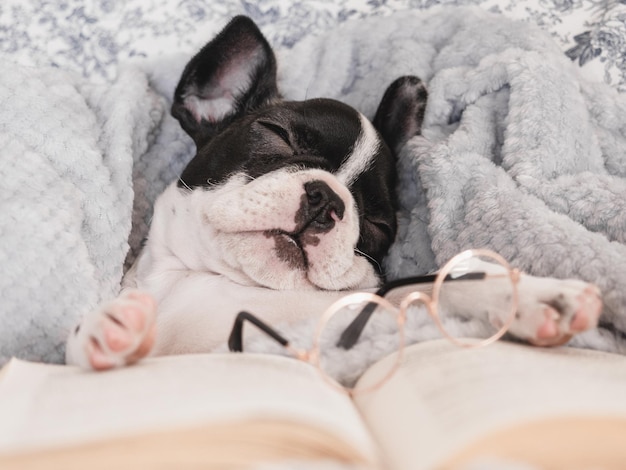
[286, 206]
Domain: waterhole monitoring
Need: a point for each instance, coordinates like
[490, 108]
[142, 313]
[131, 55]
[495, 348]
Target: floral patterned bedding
[93, 37]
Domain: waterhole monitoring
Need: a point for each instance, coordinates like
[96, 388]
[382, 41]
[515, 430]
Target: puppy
[285, 207]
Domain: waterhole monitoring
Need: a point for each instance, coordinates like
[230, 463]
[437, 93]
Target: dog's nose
[322, 207]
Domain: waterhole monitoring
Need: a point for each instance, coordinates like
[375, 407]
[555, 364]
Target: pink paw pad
[127, 331]
[549, 329]
[588, 313]
[97, 357]
[580, 322]
[549, 334]
[116, 336]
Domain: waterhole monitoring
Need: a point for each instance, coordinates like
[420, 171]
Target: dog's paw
[552, 311]
[118, 333]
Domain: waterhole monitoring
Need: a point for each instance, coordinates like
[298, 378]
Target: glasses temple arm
[235, 340]
[353, 331]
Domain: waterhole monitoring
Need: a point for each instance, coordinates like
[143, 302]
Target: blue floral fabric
[93, 37]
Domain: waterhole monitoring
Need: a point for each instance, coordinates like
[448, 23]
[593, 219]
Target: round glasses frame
[353, 331]
[431, 303]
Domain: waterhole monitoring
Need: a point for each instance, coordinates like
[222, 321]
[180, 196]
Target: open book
[444, 408]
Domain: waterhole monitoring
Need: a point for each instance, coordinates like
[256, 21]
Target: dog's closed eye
[278, 130]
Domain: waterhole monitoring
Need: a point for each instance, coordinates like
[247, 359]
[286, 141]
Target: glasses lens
[476, 300]
[357, 328]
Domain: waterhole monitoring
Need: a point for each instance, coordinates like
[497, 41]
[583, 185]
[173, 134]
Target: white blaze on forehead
[362, 155]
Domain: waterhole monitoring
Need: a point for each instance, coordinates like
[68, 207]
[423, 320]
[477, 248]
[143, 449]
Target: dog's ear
[233, 74]
[401, 111]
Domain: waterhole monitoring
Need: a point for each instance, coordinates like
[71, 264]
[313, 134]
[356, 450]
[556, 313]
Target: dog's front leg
[117, 333]
[549, 311]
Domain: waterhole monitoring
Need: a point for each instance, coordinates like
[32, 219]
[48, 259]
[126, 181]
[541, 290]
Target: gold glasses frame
[373, 300]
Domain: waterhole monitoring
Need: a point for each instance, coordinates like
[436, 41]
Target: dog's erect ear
[231, 75]
[401, 111]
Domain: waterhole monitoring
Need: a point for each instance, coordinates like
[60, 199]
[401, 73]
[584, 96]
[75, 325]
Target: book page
[443, 397]
[44, 406]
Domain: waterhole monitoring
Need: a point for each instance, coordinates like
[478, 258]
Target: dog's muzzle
[320, 209]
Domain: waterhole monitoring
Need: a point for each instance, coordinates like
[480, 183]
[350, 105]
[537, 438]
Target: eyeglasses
[473, 285]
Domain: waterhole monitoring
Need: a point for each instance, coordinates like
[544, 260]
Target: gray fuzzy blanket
[519, 154]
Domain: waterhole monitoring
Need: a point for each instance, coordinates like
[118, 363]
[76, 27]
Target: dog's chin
[281, 261]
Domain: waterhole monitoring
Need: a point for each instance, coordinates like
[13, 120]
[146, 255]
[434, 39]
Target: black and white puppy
[285, 206]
